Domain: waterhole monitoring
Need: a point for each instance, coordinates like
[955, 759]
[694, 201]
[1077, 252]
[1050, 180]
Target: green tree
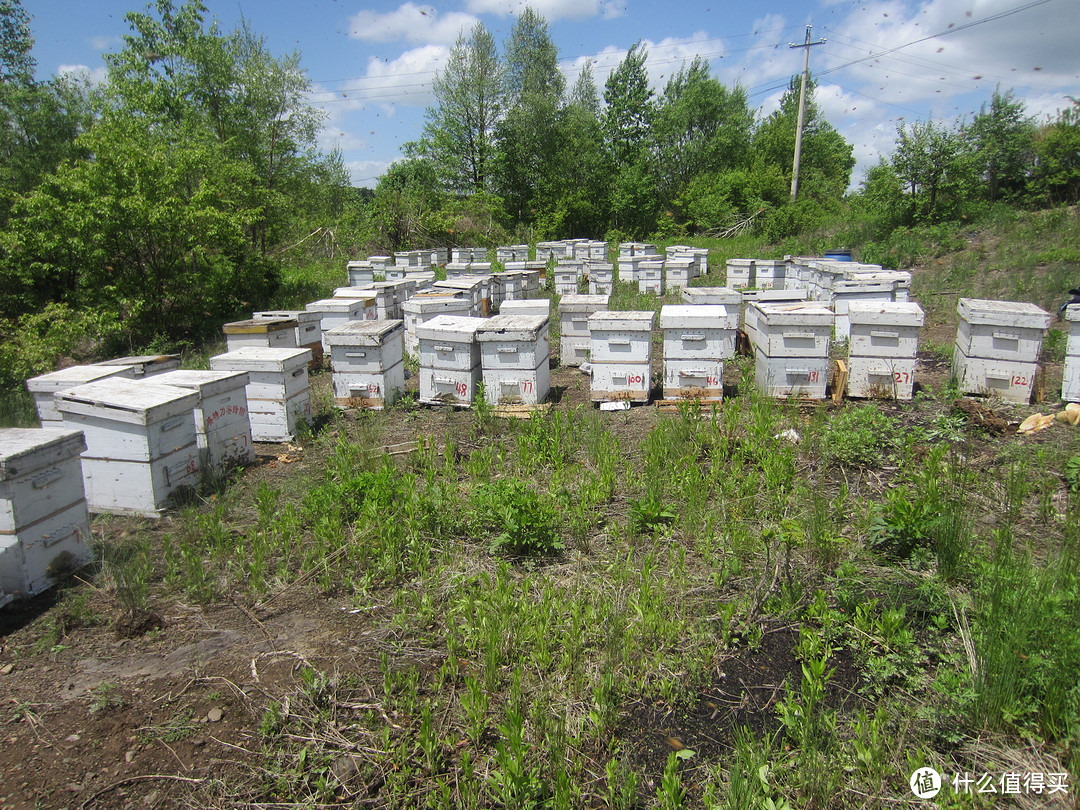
[935, 167]
[528, 137]
[827, 159]
[469, 100]
[626, 122]
[584, 93]
[1001, 140]
[16, 43]
[1056, 174]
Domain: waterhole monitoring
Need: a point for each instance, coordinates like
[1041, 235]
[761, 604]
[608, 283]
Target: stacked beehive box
[760, 274]
[337, 311]
[628, 267]
[308, 330]
[791, 348]
[679, 271]
[574, 312]
[264, 332]
[997, 347]
[141, 444]
[884, 337]
[422, 307]
[361, 273]
[515, 359]
[43, 387]
[1070, 376]
[368, 362]
[567, 277]
[698, 338]
[278, 392]
[449, 360]
[474, 288]
[620, 348]
[222, 424]
[44, 526]
[601, 278]
[650, 276]
[730, 299]
[847, 291]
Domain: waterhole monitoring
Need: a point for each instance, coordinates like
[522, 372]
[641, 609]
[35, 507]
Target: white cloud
[410, 23]
[95, 76]
[551, 10]
[405, 80]
[366, 173]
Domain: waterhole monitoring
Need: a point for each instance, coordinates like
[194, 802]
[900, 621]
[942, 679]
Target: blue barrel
[839, 255]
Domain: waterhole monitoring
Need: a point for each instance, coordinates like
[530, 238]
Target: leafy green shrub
[1072, 474]
[34, 343]
[648, 515]
[859, 437]
[525, 521]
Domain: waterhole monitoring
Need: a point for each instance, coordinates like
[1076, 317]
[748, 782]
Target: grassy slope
[728, 620]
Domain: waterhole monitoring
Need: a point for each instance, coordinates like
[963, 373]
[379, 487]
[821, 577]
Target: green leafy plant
[649, 514]
[525, 521]
[1072, 474]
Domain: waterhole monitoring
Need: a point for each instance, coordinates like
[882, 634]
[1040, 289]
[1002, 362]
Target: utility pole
[802, 108]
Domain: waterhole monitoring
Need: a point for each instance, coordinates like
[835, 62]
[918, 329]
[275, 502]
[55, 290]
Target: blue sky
[884, 61]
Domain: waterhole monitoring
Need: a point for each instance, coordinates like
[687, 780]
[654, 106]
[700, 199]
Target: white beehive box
[763, 274]
[222, 424]
[515, 359]
[145, 365]
[361, 273]
[884, 328]
[367, 346]
[790, 330]
[786, 296]
[425, 306]
[628, 267]
[881, 377]
[574, 312]
[337, 311]
[613, 382]
[1010, 380]
[513, 284]
[680, 272]
[847, 292]
[44, 526]
[1070, 376]
[278, 393]
[141, 444]
[567, 277]
[277, 333]
[368, 359]
[694, 379]
[1001, 330]
[528, 306]
[421, 281]
[472, 287]
[449, 360]
[698, 332]
[308, 330]
[621, 337]
[43, 387]
[791, 376]
[601, 279]
[650, 277]
[726, 297]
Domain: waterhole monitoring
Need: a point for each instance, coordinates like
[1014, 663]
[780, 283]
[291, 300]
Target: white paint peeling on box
[881, 377]
[791, 376]
[1009, 380]
[222, 423]
[1000, 330]
[141, 443]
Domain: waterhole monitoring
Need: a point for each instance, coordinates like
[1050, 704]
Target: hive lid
[716, 295]
[74, 375]
[896, 313]
[300, 315]
[515, 326]
[699, 316]
[622, 320]
[583, 303]
[258, 326]
[364, 333]
[145, 364]
[1072, 312]
[207, 382]
[449, 327]
[340, 305]
[137, 402]
[23, 450]
[798, 313]
[1003, 313]
[261, 358]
